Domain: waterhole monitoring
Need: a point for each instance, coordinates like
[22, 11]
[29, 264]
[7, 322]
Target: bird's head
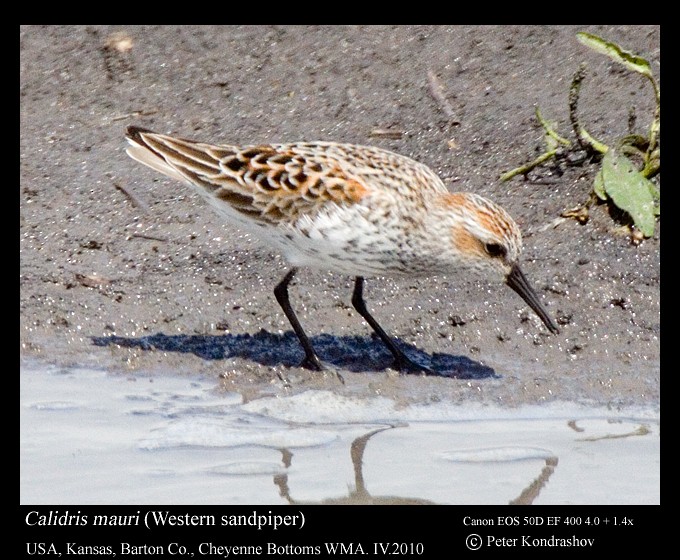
[482, 237]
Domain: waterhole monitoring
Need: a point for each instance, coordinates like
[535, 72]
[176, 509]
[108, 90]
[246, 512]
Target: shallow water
[95, 438]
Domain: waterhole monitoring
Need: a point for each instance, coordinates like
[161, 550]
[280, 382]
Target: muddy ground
[125, 269]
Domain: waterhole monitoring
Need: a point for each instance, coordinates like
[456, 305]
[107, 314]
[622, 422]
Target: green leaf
[612, 50]
[629, 190]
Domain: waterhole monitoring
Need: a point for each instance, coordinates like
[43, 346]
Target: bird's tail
[178, 158]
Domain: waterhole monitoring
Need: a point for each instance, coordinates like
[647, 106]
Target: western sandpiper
[357, 210]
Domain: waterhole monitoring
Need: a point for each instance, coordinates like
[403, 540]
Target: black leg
[401, 361]
[311, 360]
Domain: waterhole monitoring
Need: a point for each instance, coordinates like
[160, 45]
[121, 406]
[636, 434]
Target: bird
[357, 210]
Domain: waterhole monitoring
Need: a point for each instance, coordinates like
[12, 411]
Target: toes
[312, 362]
[406, 365]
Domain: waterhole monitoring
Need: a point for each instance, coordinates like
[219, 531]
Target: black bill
[518, 282]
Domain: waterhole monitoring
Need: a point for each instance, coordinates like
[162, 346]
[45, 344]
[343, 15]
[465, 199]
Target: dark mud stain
[352, 353]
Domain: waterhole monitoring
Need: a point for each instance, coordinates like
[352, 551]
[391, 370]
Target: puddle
[90, 437]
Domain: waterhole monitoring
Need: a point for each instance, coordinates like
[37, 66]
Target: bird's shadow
[353, 353]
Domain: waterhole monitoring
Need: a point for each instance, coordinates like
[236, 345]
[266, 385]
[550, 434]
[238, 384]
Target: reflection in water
[360, 495]
[357, 496]
[531, 492]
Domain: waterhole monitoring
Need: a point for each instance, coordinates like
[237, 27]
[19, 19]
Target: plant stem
[524, 169]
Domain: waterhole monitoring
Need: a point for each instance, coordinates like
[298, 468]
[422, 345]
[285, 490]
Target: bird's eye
[495, 250]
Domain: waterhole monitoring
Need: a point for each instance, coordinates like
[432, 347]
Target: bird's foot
[313, 363]
[404, 364]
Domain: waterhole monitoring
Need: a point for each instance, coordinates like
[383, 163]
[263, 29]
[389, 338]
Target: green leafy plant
[625, 168]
